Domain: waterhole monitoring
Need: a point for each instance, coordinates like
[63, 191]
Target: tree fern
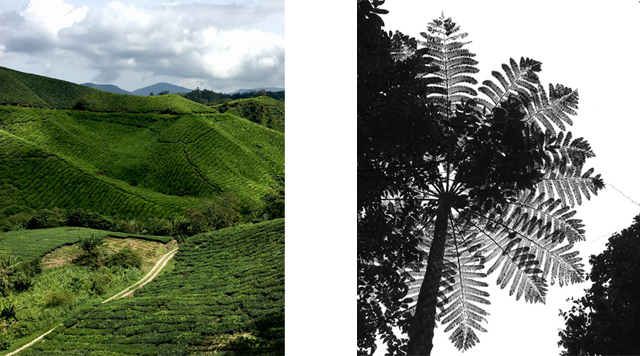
[498, 196]
[456, 63]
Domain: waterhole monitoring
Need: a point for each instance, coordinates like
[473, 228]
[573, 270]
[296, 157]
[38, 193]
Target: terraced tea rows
[30, 244]
[132, 165]
[224, 283]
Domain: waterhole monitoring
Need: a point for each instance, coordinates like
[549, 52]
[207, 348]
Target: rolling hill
[160, 156]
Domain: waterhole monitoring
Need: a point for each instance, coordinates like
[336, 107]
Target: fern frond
[461, 291]
[521, 80]
[569, 184]
[566, 150]
[442, 44]
[523, 243]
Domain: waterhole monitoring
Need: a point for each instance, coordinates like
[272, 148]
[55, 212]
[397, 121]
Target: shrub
[92, 256]
[58, 298]
[5, 340]
[16, 276]
[45, 218]
[81, 104]
[100, 281]
[82, 218]
[14, 222]
[274, 203]
[90, 244]
[125, 258]
[222, 211]
[8, 312]
[155, 226]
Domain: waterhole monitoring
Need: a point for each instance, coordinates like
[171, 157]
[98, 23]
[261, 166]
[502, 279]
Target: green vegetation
[225, 293]
[262, 110]
[208, 97]
[28, 245]
[38, 293]
[82, 171]
[151, 165]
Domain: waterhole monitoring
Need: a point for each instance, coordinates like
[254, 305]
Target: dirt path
[151, 275]
[146, 279]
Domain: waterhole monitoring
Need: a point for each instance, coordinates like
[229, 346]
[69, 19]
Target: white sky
[218, 45]
[590, 46]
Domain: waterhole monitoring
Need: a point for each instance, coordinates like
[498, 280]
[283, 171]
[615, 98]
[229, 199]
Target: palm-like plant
[503, 197]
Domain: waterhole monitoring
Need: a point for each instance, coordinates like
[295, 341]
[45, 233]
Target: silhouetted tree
[606, 321]
[448, 182]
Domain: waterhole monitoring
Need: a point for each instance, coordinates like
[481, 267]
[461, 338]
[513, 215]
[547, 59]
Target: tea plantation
[131, 164]
[224, 284]
[74, 159]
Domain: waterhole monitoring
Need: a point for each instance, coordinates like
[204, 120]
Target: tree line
[208, 97]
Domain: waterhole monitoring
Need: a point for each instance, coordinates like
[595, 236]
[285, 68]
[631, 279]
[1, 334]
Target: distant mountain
[160, 87]
[108, 88]
[241, 91]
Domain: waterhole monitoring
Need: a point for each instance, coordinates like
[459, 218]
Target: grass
[224, 285]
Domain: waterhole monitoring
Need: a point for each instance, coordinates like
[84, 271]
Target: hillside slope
[226, 292]
[30, 90]
[132, 165]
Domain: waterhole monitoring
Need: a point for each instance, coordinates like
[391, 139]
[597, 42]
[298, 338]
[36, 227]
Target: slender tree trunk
[423, 322]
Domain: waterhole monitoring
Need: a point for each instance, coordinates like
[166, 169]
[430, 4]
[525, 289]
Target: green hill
[36, 91]
[226, 292]
[134, 164]
[262, 110]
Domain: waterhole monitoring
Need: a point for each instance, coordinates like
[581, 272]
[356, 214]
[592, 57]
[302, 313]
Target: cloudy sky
[217, 45]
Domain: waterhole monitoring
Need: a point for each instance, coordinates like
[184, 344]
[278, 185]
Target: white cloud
[199, 42]
[51, 16]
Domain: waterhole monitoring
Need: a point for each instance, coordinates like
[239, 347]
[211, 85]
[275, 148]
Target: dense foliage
[262, 110]
[224, 284]
[448, 181]
[605, 321]
[208, 97]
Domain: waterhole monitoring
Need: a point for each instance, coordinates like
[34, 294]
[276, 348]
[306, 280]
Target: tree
[497, 186]
[395, 129]
[605, 321]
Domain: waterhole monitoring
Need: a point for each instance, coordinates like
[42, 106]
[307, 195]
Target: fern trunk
[422, 325]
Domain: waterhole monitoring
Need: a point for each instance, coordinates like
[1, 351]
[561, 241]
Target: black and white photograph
[498, 205]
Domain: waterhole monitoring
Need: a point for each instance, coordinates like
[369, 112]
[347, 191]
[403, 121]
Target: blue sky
[218, 45]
